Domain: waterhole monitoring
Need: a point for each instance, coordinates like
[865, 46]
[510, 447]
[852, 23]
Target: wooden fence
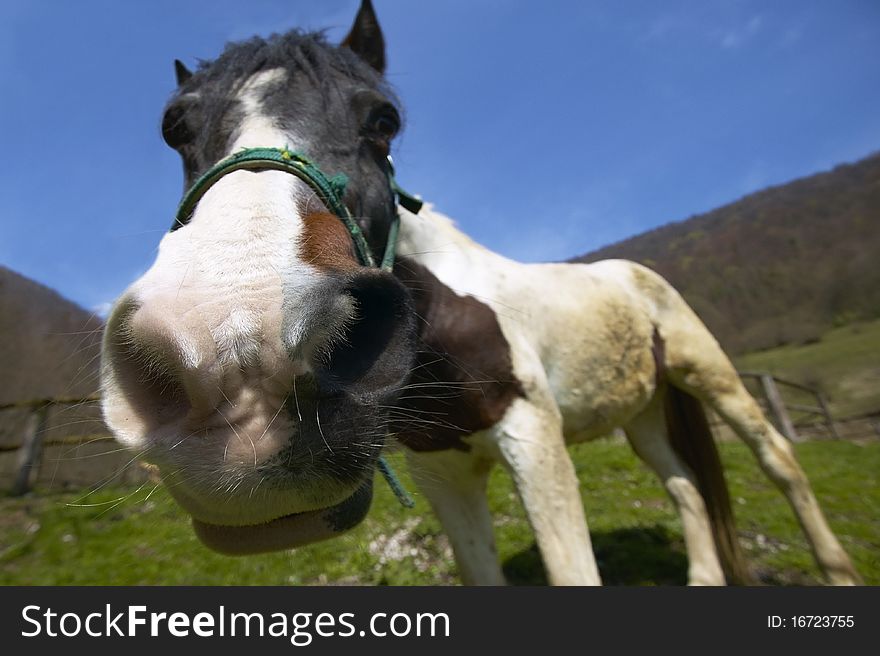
[29, 451]
[780, 410]
[97, 456]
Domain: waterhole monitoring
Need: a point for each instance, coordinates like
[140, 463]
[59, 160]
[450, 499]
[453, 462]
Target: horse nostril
[374, 352]
[151, 370]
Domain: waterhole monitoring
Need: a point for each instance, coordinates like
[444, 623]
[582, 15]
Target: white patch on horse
[238, 254]
[226, 299]
[256, 129]
[582, 340]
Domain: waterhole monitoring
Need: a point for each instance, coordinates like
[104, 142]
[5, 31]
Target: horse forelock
[294, 50]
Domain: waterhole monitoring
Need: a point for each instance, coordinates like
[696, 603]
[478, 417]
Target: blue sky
[546, 129]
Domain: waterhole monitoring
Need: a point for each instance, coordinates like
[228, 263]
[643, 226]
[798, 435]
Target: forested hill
[49, 346]
[778, 266]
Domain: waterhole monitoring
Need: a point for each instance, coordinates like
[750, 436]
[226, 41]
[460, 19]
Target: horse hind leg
[648, 435]
[697, 365]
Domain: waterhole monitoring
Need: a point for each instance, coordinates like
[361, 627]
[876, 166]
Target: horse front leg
[532, 448]
[455, 485]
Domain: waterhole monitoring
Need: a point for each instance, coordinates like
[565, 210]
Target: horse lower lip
[289, 531]
[285, 532]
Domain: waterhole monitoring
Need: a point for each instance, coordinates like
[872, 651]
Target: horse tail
[691, 437]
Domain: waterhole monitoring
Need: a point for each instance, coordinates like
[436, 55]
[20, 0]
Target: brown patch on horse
[326, 242]
[463, 380]
[658, 350]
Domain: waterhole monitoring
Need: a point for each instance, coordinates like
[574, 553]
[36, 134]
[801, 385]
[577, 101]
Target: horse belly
[584, 420]
[603, 374]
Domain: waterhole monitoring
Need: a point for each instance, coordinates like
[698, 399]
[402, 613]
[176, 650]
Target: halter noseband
[329, 191]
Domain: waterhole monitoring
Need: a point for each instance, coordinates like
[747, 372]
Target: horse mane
[293, 50]
[439, 227]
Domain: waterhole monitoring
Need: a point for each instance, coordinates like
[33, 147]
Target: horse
[263, 365]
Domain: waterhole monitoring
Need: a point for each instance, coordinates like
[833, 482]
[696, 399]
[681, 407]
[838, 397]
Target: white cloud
[739, 36]
[705, 26]
[102, 309]
[791, 36]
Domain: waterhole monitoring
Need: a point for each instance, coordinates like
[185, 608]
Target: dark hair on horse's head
[306, 54]
[293, 50]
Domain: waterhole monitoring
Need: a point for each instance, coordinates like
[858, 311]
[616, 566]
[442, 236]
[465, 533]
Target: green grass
[844, 364]
[637, 536]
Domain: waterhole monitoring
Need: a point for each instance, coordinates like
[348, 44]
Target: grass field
[134, 537]
[844, 365]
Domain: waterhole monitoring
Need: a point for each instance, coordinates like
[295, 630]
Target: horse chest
[463, 379]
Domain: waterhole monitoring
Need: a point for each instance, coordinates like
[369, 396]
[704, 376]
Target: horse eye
[386, 126]
[175, 130]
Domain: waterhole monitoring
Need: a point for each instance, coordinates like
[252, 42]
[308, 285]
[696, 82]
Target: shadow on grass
[628, 556]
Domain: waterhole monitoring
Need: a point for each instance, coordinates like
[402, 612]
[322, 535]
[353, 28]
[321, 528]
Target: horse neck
[433, 240]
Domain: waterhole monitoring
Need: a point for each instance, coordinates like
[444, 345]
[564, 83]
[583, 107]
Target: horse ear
[181, 72]
[365, 37]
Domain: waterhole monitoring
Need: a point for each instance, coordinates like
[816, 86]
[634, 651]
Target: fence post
[832, 427]
[774, 398]
[30, 451]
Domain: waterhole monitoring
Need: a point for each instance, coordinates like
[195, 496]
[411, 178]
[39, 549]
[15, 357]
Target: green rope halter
[330, 192]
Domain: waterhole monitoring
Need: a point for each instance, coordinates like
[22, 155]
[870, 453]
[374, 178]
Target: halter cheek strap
[330, 190]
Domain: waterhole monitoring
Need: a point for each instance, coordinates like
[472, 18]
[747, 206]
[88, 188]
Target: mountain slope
[779, 266]
[49, 349]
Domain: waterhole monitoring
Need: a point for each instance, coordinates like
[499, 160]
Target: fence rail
[38, 403]
[779, 409]
[34, 441]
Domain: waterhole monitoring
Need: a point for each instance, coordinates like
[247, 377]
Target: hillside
[49, 344]
[780, 266]
[50, 349]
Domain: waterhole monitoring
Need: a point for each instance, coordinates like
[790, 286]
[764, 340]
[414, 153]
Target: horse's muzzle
[277, 433]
